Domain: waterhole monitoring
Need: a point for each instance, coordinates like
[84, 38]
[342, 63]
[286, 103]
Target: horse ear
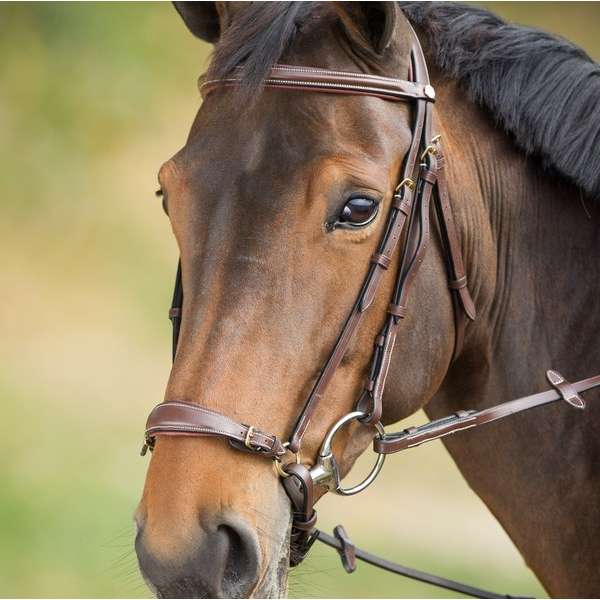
[369, 24]
[201, 18]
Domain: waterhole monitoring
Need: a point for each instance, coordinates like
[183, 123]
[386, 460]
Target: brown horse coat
[267, 287]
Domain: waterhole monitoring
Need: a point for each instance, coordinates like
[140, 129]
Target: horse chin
[274, 585]
[274, 582]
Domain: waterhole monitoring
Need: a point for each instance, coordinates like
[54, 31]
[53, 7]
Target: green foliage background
[93, 97]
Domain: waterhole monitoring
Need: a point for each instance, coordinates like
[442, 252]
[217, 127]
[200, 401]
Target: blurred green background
[93, 98]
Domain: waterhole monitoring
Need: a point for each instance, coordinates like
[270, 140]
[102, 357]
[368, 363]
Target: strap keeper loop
[457, 284]
[305, 524]
[381, 259]
[397, 310]
[402, 204]
[429, 176]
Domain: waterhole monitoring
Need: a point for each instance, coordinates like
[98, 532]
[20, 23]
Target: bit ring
[326, 473]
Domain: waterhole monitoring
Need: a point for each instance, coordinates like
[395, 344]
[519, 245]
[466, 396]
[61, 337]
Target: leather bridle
[421, 183]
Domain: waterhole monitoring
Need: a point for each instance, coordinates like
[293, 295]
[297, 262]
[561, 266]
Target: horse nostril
[240, 559]
[222, 561]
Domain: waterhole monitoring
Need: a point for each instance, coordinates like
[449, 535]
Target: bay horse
[253, 198]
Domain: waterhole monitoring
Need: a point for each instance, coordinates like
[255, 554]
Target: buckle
[432, 148]
[148, 445]
[279, 467]
[248, 438]
[408, 182]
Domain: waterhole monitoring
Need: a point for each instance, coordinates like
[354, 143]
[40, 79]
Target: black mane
[543, 90]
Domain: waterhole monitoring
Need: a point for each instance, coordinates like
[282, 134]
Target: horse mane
[543, 90]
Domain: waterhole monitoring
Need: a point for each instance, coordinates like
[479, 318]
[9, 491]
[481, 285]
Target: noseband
[422, 182]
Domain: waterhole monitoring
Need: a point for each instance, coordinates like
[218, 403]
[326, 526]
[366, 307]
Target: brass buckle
[432, 147]
[408, 182]
[148, 445]
[248, 438]
[279, 467]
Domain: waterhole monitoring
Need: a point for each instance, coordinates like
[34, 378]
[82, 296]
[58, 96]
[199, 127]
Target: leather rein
[422, 183]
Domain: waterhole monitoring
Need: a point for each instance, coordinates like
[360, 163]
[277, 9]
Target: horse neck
[532, 252]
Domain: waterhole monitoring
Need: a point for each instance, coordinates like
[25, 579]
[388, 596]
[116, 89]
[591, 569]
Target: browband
[332, 82]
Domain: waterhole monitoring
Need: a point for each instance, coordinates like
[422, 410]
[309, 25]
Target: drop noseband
[421, 183]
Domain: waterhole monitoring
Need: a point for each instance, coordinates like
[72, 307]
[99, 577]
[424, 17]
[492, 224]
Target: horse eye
[358, 212]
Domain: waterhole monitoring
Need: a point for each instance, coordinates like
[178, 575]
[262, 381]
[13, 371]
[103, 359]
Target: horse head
[278, 201]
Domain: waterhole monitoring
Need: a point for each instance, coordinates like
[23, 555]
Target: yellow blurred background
[93, 98]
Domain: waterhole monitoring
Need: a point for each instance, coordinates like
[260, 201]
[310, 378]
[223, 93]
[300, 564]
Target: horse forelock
[259, 35]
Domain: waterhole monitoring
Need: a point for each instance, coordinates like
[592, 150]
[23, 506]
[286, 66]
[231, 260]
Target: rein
[422, 182]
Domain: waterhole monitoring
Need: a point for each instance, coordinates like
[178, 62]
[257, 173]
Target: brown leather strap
[300, 490]
[185, 418]
[458, 284]
[333, 82]
[396, 221]
[415, 248]
[466, 419]
[462, 303]
[370, 401]
[382, 563]
[381, 259]
[458, 280]
[397, 310]
[415, 188]
[396, 224]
